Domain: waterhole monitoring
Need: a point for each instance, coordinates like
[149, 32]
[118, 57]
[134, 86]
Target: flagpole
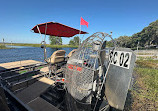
[82, 22]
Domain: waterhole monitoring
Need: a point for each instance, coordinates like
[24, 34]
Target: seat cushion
[57, 56]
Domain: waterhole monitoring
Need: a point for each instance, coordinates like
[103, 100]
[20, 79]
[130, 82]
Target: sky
[122, 17]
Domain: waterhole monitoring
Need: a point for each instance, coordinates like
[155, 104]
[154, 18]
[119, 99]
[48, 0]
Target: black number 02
[121, 59]
[125, 64]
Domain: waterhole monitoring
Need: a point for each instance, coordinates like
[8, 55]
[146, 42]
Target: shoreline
[4, 47]
[39, 45]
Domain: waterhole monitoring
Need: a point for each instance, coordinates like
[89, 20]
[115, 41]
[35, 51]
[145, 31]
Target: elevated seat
[57, 56]
[34, 90]
[70, 54]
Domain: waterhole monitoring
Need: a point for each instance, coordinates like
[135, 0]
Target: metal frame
[92, 77]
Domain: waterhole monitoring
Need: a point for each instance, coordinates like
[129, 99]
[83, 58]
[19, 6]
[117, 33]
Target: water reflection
[12, 46]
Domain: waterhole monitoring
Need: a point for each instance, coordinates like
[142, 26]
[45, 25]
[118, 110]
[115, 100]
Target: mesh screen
[79, 77]
[82, 66]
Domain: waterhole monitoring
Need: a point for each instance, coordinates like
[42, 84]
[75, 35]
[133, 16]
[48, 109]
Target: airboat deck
[33, 91]
[25, 83]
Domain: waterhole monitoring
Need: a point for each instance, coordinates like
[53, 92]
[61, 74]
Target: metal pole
[82, 38]
[45, 51]
[39, 31]
[45, 31]
[43, 41]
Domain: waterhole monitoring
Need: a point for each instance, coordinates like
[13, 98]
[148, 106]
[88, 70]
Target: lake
[27, 53]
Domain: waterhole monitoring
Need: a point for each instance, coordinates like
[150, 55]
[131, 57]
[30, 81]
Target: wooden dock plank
[44, 69]
[17, 64]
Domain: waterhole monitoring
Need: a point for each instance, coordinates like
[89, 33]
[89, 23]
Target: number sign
[118, 76]
[120, 58]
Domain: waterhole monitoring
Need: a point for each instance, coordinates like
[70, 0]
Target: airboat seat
[57, 56]
[70, 54]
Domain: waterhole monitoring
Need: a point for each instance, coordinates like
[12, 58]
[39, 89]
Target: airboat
[90, 78]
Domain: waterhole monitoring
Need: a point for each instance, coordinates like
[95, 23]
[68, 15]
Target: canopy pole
[43, 41]
[45, 51]
[45, 31]
[39, 31]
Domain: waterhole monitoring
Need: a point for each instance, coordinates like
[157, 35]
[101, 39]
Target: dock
[20, 74]
[18, 64]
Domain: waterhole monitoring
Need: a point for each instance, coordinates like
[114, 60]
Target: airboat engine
[85, 74]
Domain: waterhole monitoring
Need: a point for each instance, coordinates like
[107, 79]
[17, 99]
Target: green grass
[140, 53]
[21, 72]
[145, 89]
[40, 67]
[39, 45]
[3, 47]
[149, 79]
[149, 63]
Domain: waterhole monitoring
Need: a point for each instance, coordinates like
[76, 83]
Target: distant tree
[74, 41]
[124, 41]
[109, 44]
[71, 42]
[55, 40]
[148, 36]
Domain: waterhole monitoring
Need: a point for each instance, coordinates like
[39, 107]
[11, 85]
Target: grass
[149, 83]
[147, 58]
[21, 72]
[140, 53]
[40, 67]
[3, 47]
[150, 63]
[39, 45]
[145, 89]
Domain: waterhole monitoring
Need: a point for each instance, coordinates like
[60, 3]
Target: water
[27, 53]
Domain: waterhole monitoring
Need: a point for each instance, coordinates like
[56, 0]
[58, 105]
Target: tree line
[58, 41]
[147, 37]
